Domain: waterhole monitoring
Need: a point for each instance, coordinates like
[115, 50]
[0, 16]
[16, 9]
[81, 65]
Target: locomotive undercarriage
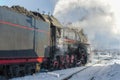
[17, 70]
[62, 63]
[75, 58]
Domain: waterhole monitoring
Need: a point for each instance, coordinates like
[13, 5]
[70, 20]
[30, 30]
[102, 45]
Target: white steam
[100, 19]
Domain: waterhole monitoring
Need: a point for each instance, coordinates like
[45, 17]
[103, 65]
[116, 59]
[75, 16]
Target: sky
[100, 19]
[34, 5]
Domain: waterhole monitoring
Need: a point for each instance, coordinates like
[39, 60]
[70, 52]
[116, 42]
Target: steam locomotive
[30, 41]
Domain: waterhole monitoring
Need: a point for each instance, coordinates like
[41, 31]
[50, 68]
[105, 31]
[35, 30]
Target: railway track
[86, 67]
[68, 77]
[105, 60]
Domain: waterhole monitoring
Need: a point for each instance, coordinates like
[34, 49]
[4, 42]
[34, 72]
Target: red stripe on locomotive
[20, 26]
[24, 60]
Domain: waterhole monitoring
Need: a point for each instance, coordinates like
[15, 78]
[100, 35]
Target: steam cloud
[98, 18]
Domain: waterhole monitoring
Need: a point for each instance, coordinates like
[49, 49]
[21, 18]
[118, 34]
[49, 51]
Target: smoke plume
[98, 18]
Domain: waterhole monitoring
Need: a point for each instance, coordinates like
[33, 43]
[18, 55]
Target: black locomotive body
[32, 40]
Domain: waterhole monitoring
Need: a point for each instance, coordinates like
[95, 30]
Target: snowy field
[106, 70]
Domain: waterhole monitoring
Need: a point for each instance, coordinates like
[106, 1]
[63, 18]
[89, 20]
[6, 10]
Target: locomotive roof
[47, 18]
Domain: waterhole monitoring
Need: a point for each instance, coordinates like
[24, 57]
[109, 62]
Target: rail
[70, 75]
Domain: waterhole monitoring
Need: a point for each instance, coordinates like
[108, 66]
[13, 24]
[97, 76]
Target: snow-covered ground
[106, 70]
[55, 75]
